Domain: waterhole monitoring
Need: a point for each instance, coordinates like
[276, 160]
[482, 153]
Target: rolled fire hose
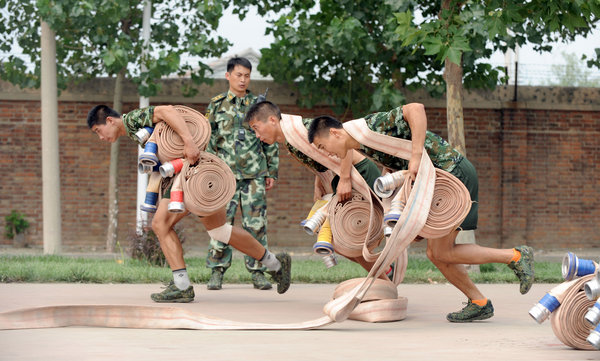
[169, 143]
[341, 307]
[407, 228]
[568, 320]
[208, 185]
[450, 205]
[350, 223]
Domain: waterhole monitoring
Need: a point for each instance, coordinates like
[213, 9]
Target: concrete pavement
[423, 335]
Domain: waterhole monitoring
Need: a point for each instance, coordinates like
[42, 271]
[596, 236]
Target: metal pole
[142, 179]
[516, 72]
[52, 230]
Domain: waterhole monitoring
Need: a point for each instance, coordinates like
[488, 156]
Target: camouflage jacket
[392, 123]
[233, 141]
[137, 119]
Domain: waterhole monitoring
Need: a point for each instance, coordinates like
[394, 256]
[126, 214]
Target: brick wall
[539, 172]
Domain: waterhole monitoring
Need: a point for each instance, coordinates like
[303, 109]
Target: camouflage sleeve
[272, 157]
[211, 147]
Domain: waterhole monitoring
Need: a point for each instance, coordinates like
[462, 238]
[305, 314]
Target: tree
[100, 38]
[359, 55]
[462, 33]
[573, 73]
[341, 52]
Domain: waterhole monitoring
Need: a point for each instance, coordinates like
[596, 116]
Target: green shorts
[465, 171]
[367, 169]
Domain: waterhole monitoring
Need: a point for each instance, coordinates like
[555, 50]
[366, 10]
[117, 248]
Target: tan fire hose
[208, 185]
[350, 222]
[342, 306]
[410, 223]
[568, 320]
[170, 145]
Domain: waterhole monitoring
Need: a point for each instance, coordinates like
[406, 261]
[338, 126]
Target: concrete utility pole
[142, 179]
[52, 229]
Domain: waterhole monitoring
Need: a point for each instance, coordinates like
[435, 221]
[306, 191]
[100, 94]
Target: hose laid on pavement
[380, 304]
[408, 226]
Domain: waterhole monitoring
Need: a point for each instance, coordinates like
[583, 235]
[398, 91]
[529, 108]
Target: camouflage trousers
[250, 196]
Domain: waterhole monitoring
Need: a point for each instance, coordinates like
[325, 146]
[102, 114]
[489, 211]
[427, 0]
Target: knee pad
[222, 233]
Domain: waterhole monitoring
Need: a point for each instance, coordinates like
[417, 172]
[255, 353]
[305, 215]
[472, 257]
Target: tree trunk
[453, 75]
[51, 210]
[113, 188]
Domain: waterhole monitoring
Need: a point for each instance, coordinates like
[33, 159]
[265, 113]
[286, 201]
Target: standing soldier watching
[254, 164]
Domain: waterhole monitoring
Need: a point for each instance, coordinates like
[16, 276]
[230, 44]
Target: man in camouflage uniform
[109, 126]
[265, 119]
[410, 122]
[254, 164]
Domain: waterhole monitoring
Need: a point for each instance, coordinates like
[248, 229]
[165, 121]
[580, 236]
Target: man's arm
[414, 114]
[169, 115]
[271, 152]
[344, 187]
[211, 147]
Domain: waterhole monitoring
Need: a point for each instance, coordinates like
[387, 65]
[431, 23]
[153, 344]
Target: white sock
[181, 279]
[270, 261]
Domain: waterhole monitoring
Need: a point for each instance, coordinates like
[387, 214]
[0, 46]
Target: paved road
[424, 335]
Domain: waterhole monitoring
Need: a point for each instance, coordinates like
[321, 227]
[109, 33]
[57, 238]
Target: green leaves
[99, 38]
[344, 54]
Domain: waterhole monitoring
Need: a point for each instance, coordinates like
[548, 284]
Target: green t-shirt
[137, 119]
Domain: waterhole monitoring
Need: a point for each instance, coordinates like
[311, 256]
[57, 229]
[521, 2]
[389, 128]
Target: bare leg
[240, 239]
[162, 225]
[452, 269]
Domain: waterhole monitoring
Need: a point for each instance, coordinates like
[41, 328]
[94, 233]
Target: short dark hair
[238, 61]
[262, 110]
[322, 124]
[99, 113]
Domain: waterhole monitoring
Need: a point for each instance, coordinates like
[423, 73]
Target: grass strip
[64, 269]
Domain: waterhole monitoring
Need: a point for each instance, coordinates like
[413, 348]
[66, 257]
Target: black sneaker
[173, 294]
[260, 281]
[283, 277]
[216, 279]
[472, 312]
[523, 268]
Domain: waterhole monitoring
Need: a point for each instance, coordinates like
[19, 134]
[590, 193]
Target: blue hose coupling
[542, 310]
[326, 250]
[594, 337]
[149, 156]
[593, 314]
[391, 219]
[142, 135]
[321, 247]
[573, 266]
[149, 204]
[147, 169]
